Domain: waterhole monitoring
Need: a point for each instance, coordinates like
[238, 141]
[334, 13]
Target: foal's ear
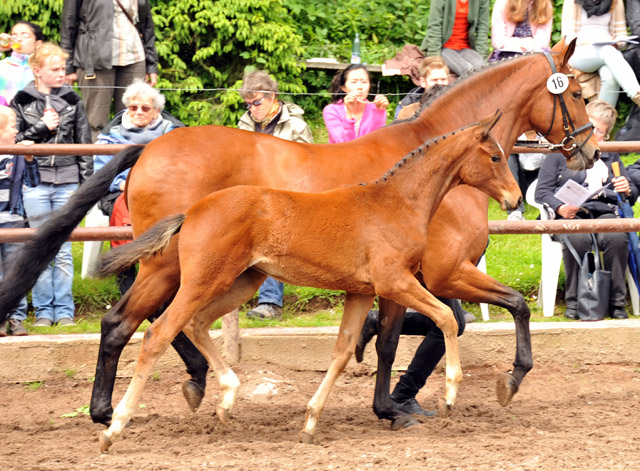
[487, 124]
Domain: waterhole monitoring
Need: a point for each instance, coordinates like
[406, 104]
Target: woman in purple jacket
[350, 115]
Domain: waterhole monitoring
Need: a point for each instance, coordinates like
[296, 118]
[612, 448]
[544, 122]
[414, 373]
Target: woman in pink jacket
[519, 26]
[350, 115]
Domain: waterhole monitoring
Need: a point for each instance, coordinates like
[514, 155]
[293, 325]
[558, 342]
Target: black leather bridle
[569, 143]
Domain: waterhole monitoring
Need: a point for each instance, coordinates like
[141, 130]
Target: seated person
[433, 70]
[554, 174]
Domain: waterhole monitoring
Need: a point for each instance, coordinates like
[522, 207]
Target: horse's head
[487, 170]
[560, 113]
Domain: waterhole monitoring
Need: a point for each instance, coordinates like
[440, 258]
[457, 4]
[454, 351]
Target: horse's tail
[36, 254]
[152, 242]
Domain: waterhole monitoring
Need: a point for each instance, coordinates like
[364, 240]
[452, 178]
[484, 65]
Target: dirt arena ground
[564, 417]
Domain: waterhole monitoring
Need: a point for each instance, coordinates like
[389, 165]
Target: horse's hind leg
[197, 330]
[149, 291]
[355, 311]
[475, 286]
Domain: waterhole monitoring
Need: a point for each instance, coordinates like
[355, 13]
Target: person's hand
[151, 79]
[70, 79]
[51, 118]
[351, 103]
[381, 102]
[122, 184]
[567, 211]
[5, 38]
[621, 185]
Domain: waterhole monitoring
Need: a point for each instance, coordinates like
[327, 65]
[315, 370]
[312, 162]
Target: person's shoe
[66, 322]
[515, 216]
[42, 322]
[265, 311]
[411, 406]
[468, 317]
[3, 329]
[618, 313]
[571, 314]
[369, 329]
[17, 328]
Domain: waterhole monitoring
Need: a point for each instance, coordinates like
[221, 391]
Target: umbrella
[626, 211]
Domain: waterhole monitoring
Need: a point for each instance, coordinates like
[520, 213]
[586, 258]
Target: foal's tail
[36, 254]
[152, 242]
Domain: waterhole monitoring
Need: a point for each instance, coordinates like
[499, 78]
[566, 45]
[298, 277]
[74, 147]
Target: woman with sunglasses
[269, 115]
[49, 112]
[142, 120]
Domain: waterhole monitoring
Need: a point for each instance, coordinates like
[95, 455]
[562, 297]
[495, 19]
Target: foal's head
[485, 165]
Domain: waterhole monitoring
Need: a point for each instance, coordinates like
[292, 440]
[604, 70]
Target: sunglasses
[255, 103]
[144, 108]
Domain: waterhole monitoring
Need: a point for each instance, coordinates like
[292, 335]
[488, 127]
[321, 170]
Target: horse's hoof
[105, 442]
[444, 409]
[223, 415]
[403, 421]
[506, 387]
[306, 438]
[193, 393]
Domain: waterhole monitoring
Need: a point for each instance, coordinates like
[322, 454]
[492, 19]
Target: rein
[569, 143]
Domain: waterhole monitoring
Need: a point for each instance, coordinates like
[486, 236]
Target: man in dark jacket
[89, 33]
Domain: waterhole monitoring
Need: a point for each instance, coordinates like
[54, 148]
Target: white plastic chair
[551, 260]
[92, 249]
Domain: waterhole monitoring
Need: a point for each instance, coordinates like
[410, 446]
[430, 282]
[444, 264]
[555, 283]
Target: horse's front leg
[390, 320]
[407, 291]
[355, 311]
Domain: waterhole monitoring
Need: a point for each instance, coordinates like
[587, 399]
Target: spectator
[598, 25]
[525, 168]
[110, 43]
[15, 72]
[519, 26]
[433, 71]
[65, 122]
[458, 31]
[140, 122]
[350, 114]
[614, 246]
[268, 115]
[15, 171]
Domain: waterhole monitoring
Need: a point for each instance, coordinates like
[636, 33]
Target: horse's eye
[577, 95]
[495, 158]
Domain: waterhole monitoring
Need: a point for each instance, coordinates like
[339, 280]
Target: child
[15, 170]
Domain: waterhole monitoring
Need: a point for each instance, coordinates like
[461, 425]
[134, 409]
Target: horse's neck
[502, 87]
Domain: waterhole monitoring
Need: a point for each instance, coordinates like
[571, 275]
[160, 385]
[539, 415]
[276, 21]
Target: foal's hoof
[105, 442]
[403, 421]
[444, 409]
[306, 438]
[223, 415]
[506, 387]
[193, 393]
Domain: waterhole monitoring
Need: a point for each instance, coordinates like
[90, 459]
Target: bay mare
[179, 168]
[366, 239]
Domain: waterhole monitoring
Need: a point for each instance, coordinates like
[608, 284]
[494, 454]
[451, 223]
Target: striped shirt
[127, 45]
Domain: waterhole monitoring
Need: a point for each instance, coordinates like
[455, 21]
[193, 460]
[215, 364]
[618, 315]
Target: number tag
[557, 83]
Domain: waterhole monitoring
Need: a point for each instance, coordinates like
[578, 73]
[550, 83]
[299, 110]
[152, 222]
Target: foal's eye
[495, 158]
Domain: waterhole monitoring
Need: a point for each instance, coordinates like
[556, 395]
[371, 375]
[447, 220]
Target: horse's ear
[487, 124]
[565, 51]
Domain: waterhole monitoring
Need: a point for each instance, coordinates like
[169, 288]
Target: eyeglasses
[599, 132]
[24, 35]
[255, 103]
[143, 108]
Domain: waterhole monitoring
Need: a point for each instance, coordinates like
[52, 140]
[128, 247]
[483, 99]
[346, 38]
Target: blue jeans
[6, 252]
[52, 298]
[271, 292]
[614, 70]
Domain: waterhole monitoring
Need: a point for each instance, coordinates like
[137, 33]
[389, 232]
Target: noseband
[569, 143]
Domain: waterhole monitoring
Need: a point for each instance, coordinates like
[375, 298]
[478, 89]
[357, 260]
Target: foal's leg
[197, 330]
[355, 311]
[475, 286]
[407, 291]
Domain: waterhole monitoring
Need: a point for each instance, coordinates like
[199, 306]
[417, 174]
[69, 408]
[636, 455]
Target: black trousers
[430, 351]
